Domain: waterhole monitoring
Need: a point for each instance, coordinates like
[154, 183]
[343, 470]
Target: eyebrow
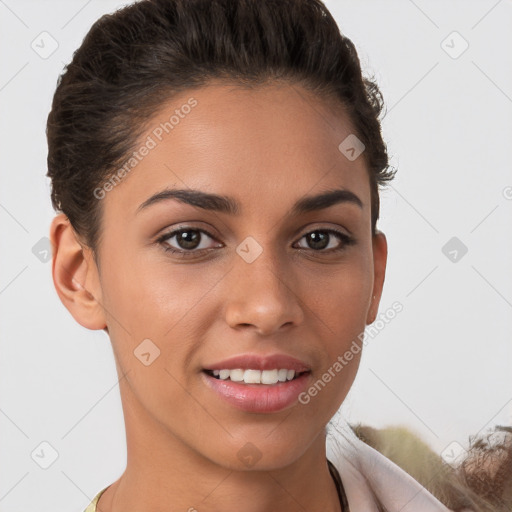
[229, 205]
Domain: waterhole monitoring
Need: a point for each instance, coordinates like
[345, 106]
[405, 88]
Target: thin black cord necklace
[339, 486]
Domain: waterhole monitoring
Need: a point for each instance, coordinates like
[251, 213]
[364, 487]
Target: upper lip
[258, 362]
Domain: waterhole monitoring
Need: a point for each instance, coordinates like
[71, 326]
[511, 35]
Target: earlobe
[75, 275]
[380, 254]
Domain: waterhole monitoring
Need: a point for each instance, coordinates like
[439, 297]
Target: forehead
[261, 145]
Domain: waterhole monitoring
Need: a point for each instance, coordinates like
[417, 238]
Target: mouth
[257, 391]
[252, 376]
[258, 383]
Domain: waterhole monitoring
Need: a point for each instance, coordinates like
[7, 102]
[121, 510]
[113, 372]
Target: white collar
[371, 481]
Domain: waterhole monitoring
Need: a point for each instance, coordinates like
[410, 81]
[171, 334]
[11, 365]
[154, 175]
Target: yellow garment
[92, 505]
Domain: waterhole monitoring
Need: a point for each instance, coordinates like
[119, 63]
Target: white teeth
[224, 374]
[256, 376]
[269, 377]
[252, 377]
[236, 375]
[281, 375]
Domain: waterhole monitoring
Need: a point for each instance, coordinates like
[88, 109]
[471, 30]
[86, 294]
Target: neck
[163, 471]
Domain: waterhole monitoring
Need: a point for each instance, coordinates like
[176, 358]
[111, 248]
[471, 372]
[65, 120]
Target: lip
[258, 398]
[258, 362]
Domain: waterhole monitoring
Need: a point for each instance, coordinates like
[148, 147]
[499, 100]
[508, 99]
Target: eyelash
[343, 237]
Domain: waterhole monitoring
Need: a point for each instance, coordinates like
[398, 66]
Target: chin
[259, 452]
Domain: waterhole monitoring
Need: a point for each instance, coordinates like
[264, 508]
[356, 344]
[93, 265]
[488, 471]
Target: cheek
[152, 298]
[147, 294]
[343, 295]
[152, 315]
[341, 303]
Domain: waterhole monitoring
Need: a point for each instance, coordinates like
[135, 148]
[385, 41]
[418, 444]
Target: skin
[267, 148]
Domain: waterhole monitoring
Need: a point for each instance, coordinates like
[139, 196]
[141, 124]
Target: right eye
[188, 240]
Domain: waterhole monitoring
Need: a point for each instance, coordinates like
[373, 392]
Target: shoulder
[372, 481]
[92, 506]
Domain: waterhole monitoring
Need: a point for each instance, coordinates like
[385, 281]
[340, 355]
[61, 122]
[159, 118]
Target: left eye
[321, 239]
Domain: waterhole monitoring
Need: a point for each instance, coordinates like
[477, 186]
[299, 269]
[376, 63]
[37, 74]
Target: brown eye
[187, 240]
[321, 239]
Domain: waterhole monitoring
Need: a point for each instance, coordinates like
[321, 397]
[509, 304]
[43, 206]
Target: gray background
[441, 366]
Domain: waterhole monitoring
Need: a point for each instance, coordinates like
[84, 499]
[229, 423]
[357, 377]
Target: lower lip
[260, 398]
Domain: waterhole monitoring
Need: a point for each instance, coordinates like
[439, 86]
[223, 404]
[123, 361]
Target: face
[266, 280]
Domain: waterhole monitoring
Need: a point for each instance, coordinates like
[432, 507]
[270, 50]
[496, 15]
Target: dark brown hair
[133, 60]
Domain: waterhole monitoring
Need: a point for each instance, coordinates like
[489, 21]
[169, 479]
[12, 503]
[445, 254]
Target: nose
[262, 296]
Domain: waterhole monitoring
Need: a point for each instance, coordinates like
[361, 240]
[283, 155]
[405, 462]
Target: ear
[380, 256]
[75, 275]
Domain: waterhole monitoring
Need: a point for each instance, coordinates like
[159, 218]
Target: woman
[216, 166]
